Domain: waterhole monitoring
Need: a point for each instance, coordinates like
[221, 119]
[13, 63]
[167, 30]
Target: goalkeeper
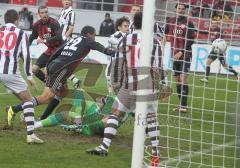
[87, 116]
[216, 35]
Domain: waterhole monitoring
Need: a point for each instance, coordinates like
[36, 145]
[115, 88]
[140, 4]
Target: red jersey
[49, 30]
[181, 34]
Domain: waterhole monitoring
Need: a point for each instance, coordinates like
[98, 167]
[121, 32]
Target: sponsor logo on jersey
[177, 31]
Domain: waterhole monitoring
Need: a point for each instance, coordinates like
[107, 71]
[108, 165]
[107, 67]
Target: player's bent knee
[117, 113]
[209, 61]
[35, 69]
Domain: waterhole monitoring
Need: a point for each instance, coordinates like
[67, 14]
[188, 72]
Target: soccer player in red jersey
[180, 32]
[46, 31]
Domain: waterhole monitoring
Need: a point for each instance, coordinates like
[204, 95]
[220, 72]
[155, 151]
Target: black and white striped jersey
[131, 45]
[158, 30]
[116, 38]
[114, 65]
[13, 45]
[156, 60]
[66, 19]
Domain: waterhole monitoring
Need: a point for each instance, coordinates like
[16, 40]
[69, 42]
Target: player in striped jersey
[13, 45]
[67, 19]
[157, 53]
[113, 69]
[126, 97]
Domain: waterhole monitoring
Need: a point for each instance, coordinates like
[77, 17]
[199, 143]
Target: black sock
[184, 95]
[51, 106]
[40, 75]
[179, 90]
[17, 108]
[207, 71]
[230, 69]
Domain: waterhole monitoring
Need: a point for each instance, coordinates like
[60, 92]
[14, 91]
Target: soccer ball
[219, 46]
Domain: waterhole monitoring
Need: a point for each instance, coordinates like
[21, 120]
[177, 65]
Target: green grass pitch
[196, 138]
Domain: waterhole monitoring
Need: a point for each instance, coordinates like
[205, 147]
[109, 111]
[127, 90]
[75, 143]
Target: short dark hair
[87, 29]
[120, 21]
[107, 14]
[41, 7]
[137, 20]
[185, 5]
[11, 16]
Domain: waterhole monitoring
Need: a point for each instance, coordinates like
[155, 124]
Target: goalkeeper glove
[76, 83]
[74, 128]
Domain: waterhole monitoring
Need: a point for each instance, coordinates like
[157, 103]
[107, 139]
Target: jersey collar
[68, 9]
[10, 25]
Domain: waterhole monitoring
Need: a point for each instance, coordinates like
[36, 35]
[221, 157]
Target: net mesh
[208, 135]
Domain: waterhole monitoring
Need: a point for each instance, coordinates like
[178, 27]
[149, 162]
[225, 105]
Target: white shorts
[126, 101]
[13, 82]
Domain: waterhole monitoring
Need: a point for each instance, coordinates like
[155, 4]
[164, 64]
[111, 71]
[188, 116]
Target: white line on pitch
[194, 154]
[4, 93]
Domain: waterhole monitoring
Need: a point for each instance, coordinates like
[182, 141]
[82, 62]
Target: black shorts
[181, 66]
[42, 61]
[213, 56]
[57, 76]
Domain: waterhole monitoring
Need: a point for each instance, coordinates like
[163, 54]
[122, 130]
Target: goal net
[208, 134]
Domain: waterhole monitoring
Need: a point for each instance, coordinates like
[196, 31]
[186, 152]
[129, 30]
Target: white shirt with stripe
[134, 44]
[13, 45]
[114, 41]
[66, 19]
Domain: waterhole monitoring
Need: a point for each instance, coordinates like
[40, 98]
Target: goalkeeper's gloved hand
[74, 128]
[76, 83]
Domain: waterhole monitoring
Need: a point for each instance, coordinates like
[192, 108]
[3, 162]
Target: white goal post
[141, 107]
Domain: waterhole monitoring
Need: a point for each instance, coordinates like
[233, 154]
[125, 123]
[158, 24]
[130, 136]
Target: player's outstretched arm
[99, 47]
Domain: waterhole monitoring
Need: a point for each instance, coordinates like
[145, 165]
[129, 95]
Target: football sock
[184, 95]
[28, 113]
[110, 131]
[230, 69]
[153, 132]
[38, 124]
[207, 72]
[179, 90]
[51, 106]
[19, 107]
